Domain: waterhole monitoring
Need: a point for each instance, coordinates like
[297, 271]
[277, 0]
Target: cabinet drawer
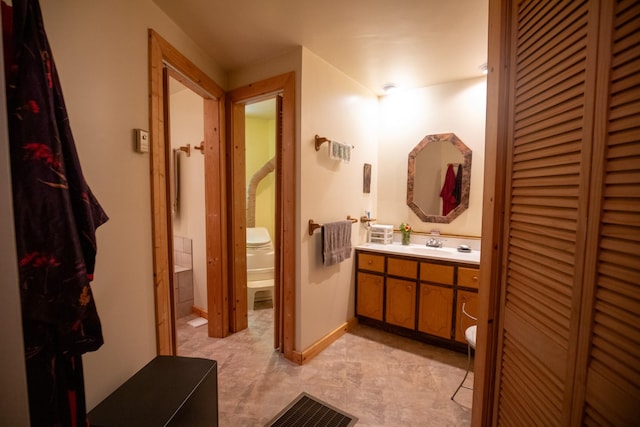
[468, 277]
[371, 262]
[402, 267]
[436, 273]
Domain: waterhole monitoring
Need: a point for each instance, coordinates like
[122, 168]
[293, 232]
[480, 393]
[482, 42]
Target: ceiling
[409, 43]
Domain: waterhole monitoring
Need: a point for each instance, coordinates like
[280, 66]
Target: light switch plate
[142, 141]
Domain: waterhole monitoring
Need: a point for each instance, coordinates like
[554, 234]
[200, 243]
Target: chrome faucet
[434, 243]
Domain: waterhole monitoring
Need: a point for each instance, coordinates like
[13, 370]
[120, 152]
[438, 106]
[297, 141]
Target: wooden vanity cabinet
[436, 299]
[420, 298]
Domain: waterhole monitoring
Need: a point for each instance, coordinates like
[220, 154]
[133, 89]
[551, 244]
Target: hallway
[383, 379]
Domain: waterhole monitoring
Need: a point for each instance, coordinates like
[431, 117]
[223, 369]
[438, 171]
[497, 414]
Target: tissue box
[379, 233]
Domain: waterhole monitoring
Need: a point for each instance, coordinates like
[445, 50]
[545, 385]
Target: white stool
[469, 335]
[256, 286]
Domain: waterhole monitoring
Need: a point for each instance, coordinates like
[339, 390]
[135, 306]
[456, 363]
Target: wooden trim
[161, 56]
[285, 241]
[316, 348]
[237, 215]
[216, 218]
[496, 141]
[198, 311]
[162, 245]
[584, 332]
[278, 297]
[582, 281]
[286, 212]
[194, 78]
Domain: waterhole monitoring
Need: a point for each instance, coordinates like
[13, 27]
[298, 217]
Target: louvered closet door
[546, 208]
[612, 309]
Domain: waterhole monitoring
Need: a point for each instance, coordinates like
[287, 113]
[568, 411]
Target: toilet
[260, 263]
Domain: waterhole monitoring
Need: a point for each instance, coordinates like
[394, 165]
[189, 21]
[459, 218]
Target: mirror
[439, 175]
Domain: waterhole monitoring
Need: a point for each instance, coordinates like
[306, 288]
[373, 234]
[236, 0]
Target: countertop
[423, 251]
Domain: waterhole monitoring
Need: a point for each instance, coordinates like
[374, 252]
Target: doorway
[185, 137]
[165, 61]
[225, 204]
[261, 131]
[282, 88]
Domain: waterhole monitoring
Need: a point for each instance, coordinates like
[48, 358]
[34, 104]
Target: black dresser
[168, 391]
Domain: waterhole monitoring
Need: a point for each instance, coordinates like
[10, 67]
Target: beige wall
[14, 409]
[331, 104]
[100, 49]
[336, 107]
[406, 118]
[187, 127]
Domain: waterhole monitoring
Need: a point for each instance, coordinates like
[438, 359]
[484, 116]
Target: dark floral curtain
[56, 216]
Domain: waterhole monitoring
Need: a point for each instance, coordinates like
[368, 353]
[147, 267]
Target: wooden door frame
[161, 56]
[285, 249]
[496, 143]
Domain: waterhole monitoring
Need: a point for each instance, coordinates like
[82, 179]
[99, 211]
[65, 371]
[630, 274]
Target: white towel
[336, 242]
[338, 151]
[346, 153]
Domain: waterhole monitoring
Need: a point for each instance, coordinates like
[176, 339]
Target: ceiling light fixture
[484, 68]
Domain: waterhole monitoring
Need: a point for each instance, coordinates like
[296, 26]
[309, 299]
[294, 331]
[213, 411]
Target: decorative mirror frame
[466, 178]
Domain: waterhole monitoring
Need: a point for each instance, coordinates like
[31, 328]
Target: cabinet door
[401, 303]
[471, 306]
[370, 295]
[436, 307]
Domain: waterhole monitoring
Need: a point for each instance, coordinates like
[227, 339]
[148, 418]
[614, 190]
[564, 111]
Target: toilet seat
[258, 238]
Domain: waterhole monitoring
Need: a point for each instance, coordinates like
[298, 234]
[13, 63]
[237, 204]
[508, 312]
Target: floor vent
[307, 410]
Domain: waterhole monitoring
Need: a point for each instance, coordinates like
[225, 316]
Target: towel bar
[314, 225]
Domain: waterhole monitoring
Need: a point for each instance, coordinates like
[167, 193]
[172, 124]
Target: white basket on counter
[379, 233]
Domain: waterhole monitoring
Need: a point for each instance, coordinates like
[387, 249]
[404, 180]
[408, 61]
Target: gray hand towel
[336, 242]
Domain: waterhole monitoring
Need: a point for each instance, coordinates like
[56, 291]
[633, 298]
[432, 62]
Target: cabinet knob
[475, 278]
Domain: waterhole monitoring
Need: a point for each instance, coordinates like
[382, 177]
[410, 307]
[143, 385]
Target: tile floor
[383, 379]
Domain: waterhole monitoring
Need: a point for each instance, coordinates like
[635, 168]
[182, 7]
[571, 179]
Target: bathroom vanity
[417, 291]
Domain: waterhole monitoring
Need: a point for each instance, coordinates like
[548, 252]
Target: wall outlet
[142, 141]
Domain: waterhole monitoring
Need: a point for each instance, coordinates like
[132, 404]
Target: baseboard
[324, 342]
[200, 312]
